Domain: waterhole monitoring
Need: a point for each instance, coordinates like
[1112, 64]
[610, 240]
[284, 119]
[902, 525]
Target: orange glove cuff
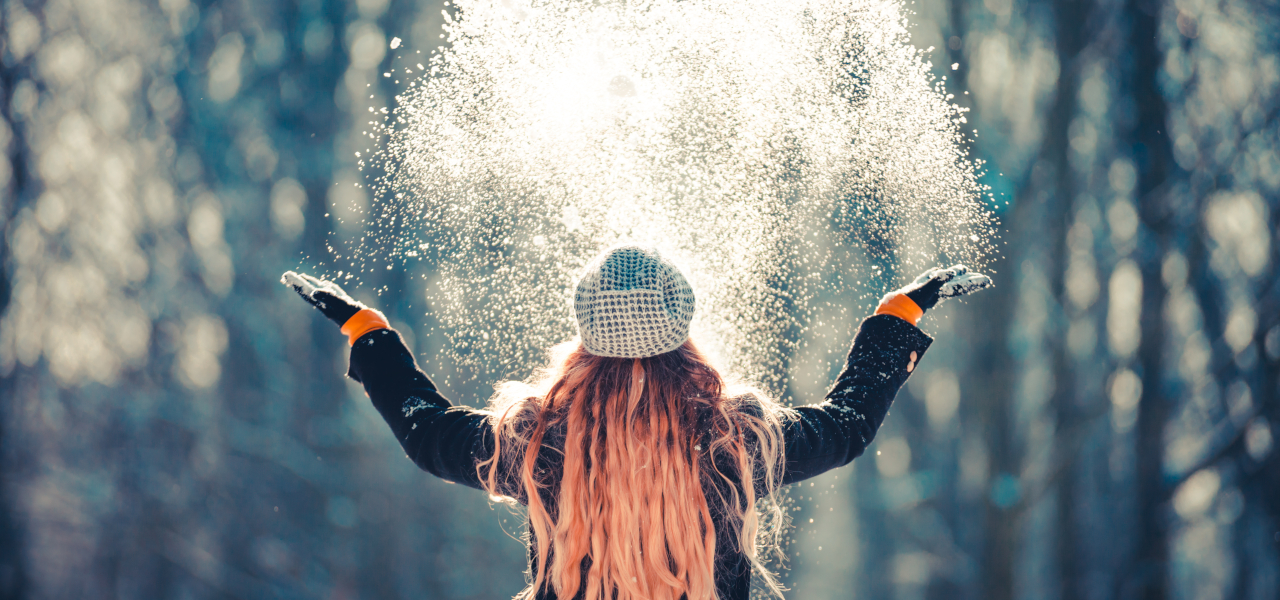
[363, 322]
[899, 305]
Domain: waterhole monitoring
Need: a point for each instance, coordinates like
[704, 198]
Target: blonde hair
[651, 447]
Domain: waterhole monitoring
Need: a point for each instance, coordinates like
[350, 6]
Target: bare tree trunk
[1263, 481]
[12, 580]
[1148, 579]
[990, 370]
[1071, 16]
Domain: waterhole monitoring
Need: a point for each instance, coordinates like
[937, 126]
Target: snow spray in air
[783, 152]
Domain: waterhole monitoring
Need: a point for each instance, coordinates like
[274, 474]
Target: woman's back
[640, 473]
[454, 442]
[646, 471]
[731, 568]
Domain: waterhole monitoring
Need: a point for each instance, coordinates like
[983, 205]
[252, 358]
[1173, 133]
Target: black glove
[936, 283]
[324, 295]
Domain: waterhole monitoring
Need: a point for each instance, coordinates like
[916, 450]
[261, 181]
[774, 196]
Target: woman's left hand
[326, 296]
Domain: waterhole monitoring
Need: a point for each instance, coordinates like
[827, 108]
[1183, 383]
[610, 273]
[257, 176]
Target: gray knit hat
[632, 303]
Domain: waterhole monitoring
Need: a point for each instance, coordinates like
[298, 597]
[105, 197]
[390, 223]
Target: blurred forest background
[175, 424]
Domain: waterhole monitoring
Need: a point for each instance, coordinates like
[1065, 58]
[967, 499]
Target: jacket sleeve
[444, 440]
[831, 434]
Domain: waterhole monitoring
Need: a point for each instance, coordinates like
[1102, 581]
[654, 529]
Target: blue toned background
[175, 424]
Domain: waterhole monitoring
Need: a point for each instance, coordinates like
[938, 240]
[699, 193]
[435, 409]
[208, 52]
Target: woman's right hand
[937, 284]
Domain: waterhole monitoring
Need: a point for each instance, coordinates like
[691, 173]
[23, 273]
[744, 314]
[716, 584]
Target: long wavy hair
[648, 450]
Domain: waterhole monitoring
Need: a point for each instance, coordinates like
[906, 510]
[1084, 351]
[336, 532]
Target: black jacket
[447, 440]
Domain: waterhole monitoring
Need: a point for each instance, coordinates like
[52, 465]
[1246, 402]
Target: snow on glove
[355, 318]
[929, 288]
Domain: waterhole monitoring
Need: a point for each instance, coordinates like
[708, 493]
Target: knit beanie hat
[632, 303]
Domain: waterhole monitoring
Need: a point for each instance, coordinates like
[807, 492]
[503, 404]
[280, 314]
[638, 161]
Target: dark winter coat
[447, 440]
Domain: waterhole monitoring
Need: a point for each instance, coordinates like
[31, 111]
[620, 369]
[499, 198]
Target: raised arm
[442, 439]
[886, 349]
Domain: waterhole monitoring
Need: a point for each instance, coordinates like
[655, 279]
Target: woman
[640, 469]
